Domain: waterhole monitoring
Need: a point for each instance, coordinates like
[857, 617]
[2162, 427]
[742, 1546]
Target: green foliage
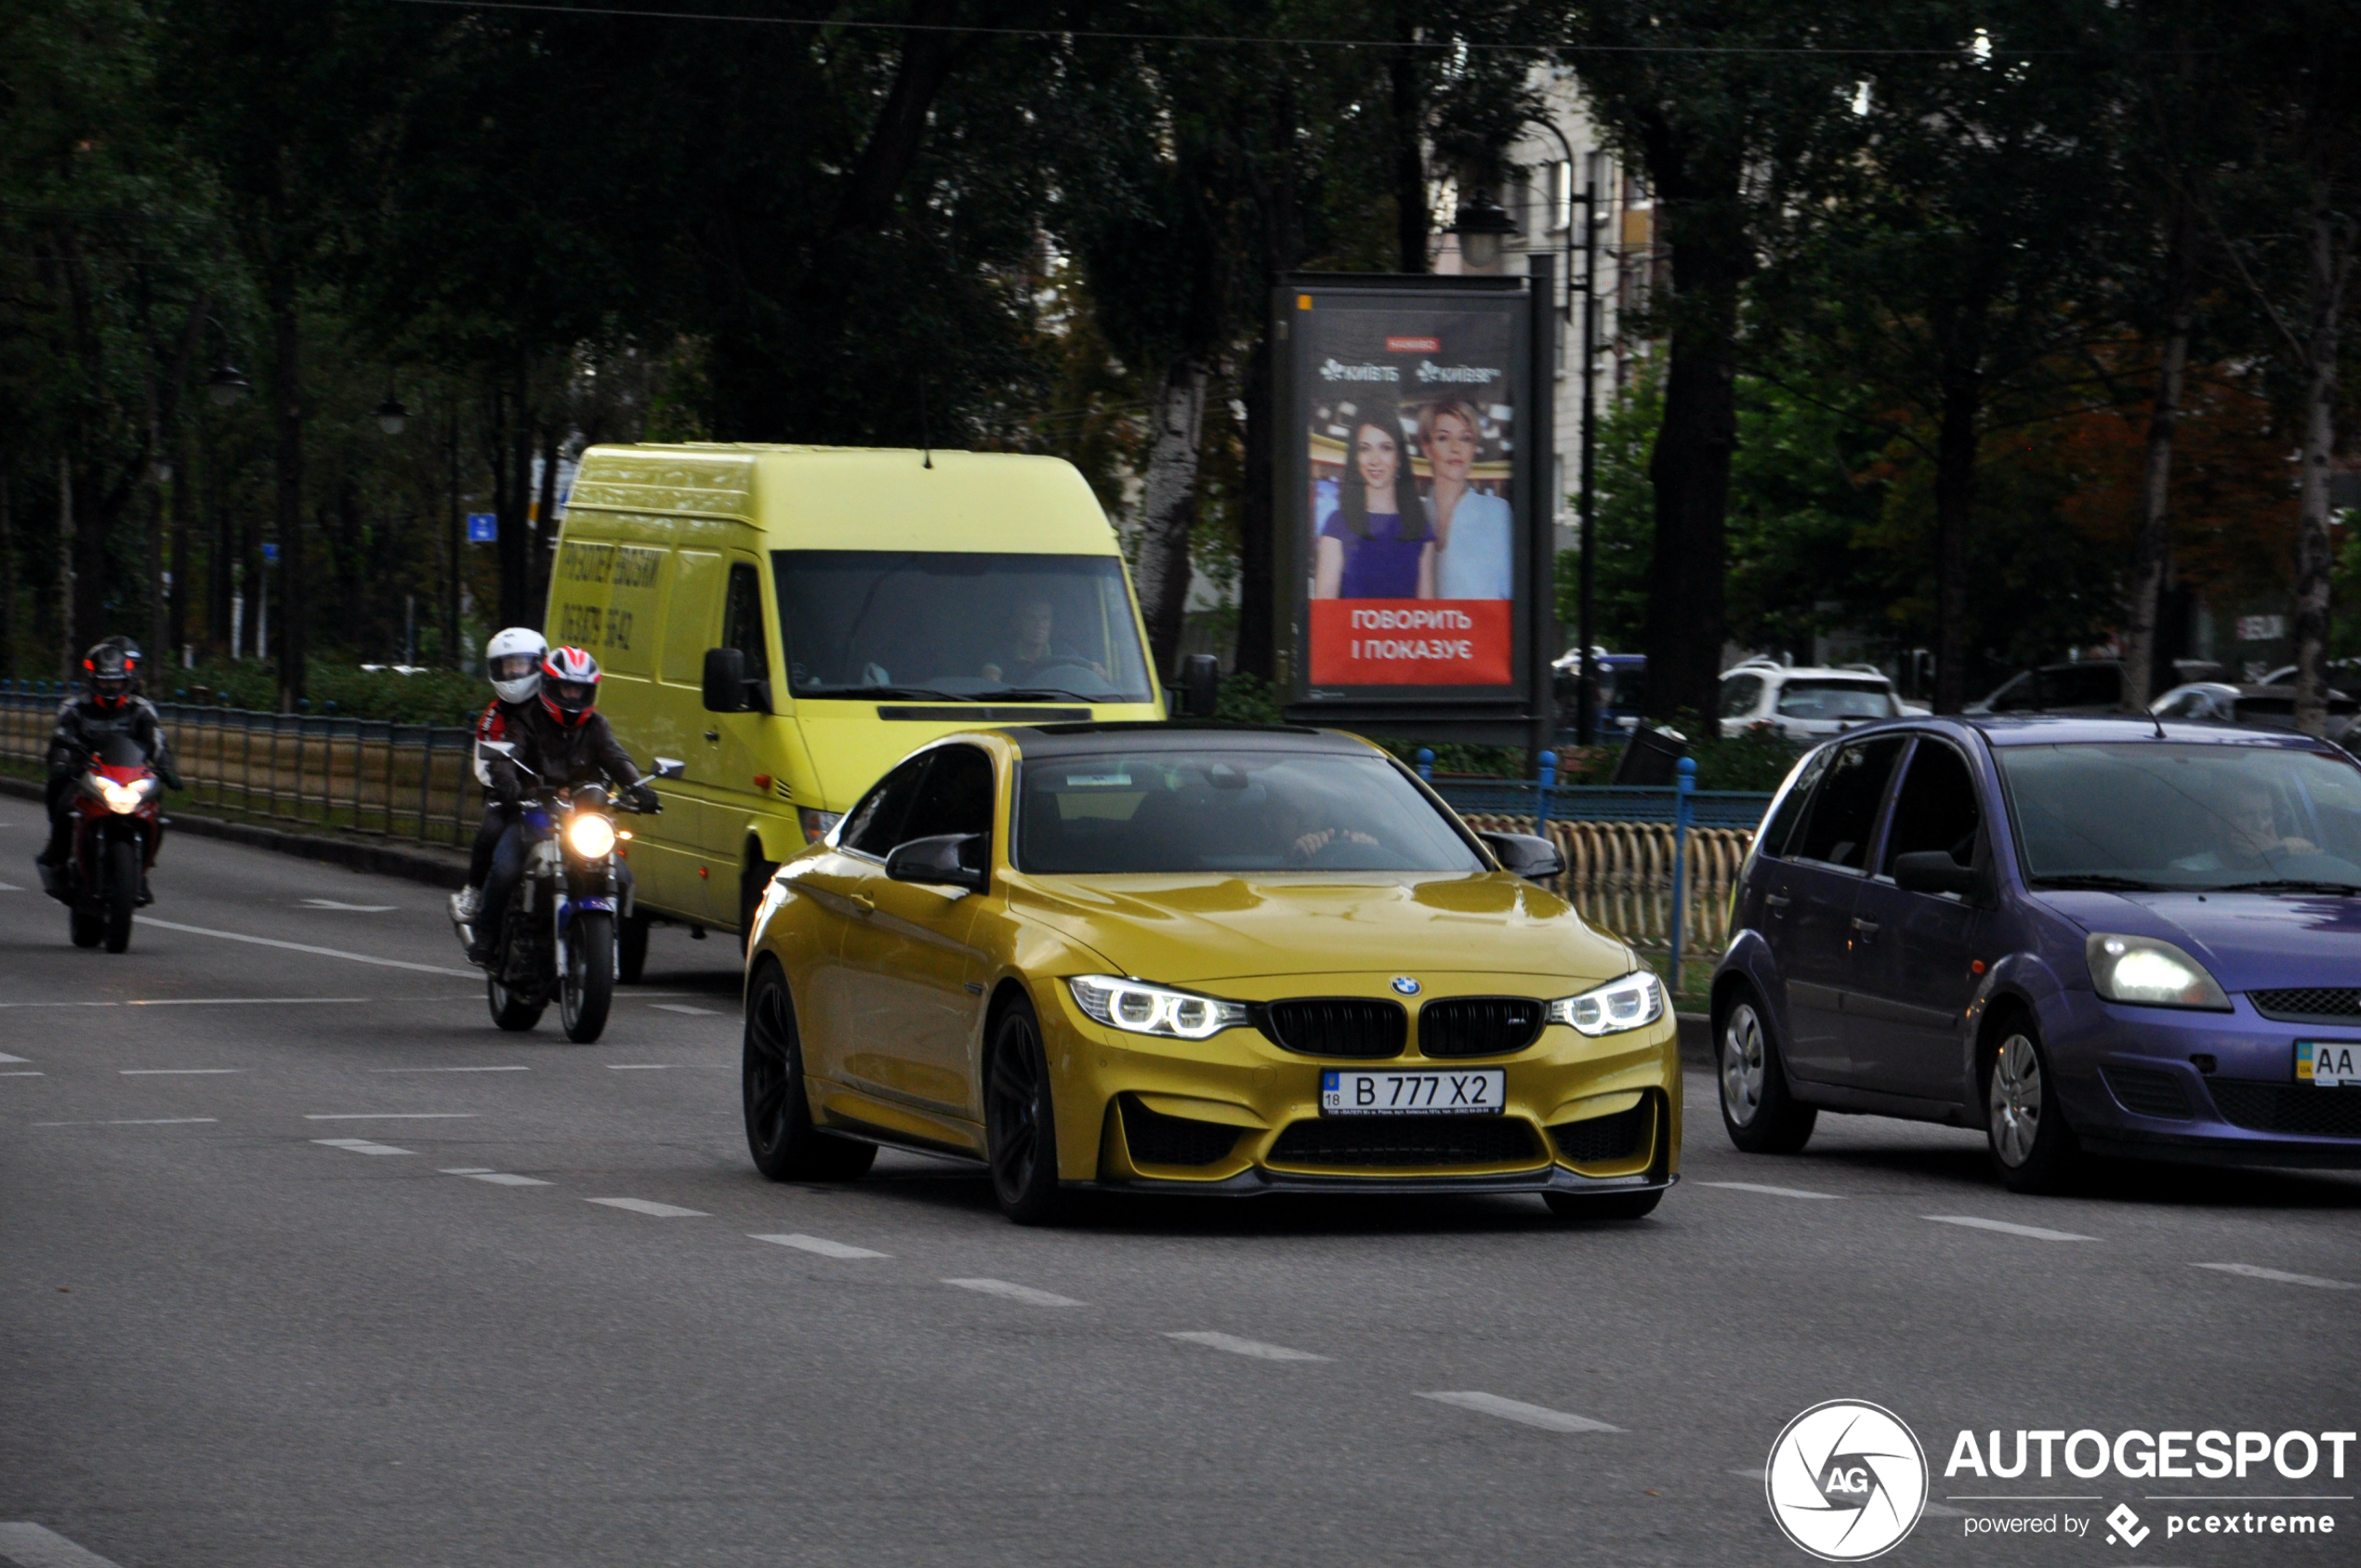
[1246, 698]
[346, 690]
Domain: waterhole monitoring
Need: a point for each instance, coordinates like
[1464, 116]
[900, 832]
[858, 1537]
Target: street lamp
[1586, 701]
[1480, 223]
[227, 385]
[391, 415]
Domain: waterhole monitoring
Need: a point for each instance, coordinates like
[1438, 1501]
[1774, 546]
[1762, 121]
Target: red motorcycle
[116, 829]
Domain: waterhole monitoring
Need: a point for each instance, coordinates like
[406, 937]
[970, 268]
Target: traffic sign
[483, 527]
[271, 554]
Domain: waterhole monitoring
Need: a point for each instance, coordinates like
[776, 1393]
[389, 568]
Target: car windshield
[2183, 817]
[1230, 810]
[961, 626]
[1813, 697]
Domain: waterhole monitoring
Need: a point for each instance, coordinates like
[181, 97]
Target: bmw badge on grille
[1404, 985]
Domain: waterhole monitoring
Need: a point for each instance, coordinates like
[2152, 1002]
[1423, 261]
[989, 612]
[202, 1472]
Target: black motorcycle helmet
[109, 671]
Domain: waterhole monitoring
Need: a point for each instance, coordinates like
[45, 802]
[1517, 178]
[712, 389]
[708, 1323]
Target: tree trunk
[1955, 478]
[2328, 255]
[1168, 506]
[184, 508]
[1407, 103]
[545, 526]
[511, 439]
[67, 653]
[286, 387]
[454, 524]
[7, 586]
[2152, 546]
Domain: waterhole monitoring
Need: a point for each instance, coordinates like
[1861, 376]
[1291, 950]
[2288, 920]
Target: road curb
[440, 868]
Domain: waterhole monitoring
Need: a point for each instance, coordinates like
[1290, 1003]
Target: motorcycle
[117, 826]
[558, 936]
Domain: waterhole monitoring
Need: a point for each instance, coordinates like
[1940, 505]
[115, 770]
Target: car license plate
[2329, 1063]
[1479, 1093]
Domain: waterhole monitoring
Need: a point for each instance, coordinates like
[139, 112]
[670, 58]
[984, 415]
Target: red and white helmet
[569, 684]
[512, 660]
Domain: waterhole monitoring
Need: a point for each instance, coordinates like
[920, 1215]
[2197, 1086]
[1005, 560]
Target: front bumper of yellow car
[1238, 1114]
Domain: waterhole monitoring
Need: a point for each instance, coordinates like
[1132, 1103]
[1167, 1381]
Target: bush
[343, 691]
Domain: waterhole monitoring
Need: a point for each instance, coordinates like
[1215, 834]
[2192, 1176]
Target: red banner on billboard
[1411, 642]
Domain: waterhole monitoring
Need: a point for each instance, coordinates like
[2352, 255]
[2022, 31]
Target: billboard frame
[1522, 713]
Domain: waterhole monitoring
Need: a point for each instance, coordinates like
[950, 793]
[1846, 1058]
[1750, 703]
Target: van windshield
[966, 626]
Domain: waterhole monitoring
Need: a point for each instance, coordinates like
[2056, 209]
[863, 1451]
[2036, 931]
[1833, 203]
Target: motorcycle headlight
[2151, 973]
[590, 836]
[1140, 1009]
[1633, 1002]
[123, 800]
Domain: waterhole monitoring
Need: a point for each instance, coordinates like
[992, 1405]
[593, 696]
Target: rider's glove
[643, 798]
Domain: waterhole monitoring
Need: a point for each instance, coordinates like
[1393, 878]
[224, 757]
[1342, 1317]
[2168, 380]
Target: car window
[1820, 697]
[1844, 809]
[1776, 832]
[874, 826]
[954, 798]
[2185, 705]
[1937, 806]
[742, 621]
[1739, 694]
[2014, 697]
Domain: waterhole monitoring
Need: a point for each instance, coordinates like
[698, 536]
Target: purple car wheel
[2031, 1145]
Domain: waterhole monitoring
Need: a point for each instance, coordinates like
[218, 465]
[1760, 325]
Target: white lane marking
[349, 908]
[1517, 1410]
[2254, 1271]
[5, 1057]
[61, 1004]
[638, 1066]
[362, 1146]
[450, 1069]
[1238, 1347]
[392, 1116]
[1016, 1292]
[307, 947]
[641, 1205]
[239, 1001]
[30, 1546]
[683, 1008]
[135, 1121]
[176, 1072]
[32, 1075]
[2033, 1232]
[9, 886]
[822, 1245]
[499, 1178]
[1775, 1191]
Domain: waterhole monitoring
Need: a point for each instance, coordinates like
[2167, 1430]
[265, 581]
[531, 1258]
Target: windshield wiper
[1037, 693]
[2288, 885]
[889, 693]
[2098, 883]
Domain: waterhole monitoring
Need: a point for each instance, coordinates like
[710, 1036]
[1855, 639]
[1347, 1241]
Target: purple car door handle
[1777, 903]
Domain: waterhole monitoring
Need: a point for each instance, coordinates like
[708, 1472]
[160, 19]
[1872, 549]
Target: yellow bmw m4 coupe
[1195, 959]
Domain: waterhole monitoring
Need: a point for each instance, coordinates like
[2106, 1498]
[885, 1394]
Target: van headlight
[1140, 1009]
[2151, 973]
[1633, 1002]
[591, 837]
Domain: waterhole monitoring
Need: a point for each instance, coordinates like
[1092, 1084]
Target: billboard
[1406, 492]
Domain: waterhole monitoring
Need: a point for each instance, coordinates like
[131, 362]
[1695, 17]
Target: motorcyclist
[110, 706]
[513, 662]
[563, 741]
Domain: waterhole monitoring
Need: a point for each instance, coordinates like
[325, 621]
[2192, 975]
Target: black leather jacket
[82, 724]
[559, 754]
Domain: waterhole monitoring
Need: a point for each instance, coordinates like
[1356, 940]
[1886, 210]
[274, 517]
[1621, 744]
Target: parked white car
[1804, 702]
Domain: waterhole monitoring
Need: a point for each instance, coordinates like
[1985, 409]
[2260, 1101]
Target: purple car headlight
[2151, 973]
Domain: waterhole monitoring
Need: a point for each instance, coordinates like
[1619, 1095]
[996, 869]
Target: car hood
[2248, 940]
[1191, 929]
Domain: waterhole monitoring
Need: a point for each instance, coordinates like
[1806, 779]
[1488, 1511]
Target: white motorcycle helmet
[512, 660]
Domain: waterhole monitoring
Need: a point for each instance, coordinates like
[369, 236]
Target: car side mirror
[950, 860]
[1534, 859]
[1200, 685]
[1933, 871]
[727, 687]
[671, 768]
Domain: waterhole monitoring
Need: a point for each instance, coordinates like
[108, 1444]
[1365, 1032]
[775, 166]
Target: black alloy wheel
[509, 1010]
[1019, 1123]
[784, 1145]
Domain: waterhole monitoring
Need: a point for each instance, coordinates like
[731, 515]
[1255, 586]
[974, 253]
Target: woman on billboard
[1471, 529]
[1374, 543]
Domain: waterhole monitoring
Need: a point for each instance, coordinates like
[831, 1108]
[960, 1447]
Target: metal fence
[395, 781]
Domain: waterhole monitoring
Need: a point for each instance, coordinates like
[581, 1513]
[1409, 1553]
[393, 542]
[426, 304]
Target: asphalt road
[303, 1263]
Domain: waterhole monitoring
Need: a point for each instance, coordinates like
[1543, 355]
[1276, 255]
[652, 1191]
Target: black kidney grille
[1478, 1025]
[1601, 1139]
[2296, 1108]
[1155, 1139]
[2319, 1001]
[1408, 1140]
[2147, 1091]
[1351, 1026]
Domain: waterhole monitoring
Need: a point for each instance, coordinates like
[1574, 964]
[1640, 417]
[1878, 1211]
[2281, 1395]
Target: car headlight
[818, 824]
[1140, 1009]
[1633, 1002]
[2153, 973]
[121, 799]
[591, 837]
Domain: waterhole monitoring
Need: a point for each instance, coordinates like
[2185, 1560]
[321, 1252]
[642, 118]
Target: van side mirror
[950, 860]
[727, 687]
[1200, 685]
[1933, 871]
[1534, 859]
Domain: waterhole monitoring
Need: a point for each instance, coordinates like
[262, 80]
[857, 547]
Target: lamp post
[1480, 223]
[227, 385]
[391, 417]
[1586, 620]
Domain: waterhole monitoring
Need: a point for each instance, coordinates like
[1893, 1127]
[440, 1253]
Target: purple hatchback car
[2111, 936]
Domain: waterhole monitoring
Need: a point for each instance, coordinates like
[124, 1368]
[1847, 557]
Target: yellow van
[780, 624]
